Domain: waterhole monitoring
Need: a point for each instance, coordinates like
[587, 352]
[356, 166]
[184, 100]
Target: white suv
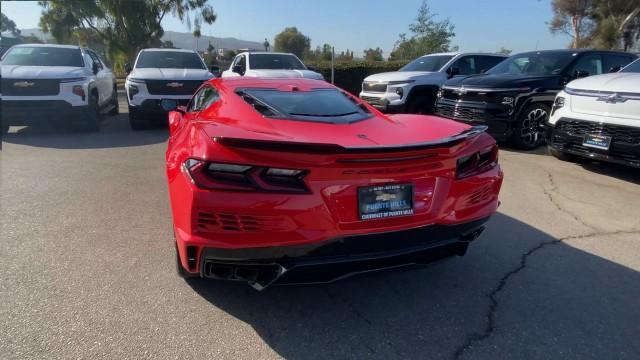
[58, 84]
[414, 87]
[271, 65]
[161, 74]
[598, 117]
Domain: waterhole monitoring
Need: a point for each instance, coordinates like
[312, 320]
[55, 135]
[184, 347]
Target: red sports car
[292, 181]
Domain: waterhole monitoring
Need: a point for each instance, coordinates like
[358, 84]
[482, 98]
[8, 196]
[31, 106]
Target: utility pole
[333, 55]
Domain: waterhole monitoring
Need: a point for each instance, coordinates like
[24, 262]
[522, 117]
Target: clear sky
[481, 25]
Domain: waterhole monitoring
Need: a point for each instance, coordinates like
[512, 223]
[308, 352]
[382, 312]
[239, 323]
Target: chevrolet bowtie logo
[461, 91]
[385, 197]
[612, 99]
[23, 84]
[174, 84]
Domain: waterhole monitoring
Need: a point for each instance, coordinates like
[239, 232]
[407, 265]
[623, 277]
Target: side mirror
[127, 68]
[215, 70]
[615, 69]
[238, 69]
[169, 104]
[95, 68]
[453, 71]
[581, 74]
[175, 121]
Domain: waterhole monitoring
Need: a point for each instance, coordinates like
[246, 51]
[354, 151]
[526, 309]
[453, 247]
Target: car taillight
[240, 177]
[477, 163]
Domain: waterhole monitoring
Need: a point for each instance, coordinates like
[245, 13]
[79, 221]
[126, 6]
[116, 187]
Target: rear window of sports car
[319, 105]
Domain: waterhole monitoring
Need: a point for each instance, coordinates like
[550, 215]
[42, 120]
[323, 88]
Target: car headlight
[557, 104]
[400, 92]
[132, 91]
[135, 80]
[439, 93]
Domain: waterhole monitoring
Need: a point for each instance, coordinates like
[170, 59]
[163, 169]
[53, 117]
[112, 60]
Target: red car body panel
[337, 158]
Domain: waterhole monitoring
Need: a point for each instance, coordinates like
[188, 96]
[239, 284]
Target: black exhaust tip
[259, 276]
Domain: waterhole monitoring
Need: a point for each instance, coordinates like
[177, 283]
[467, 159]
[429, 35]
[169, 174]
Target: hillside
[181, 40]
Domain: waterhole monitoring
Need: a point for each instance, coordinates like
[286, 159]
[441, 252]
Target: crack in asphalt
[475, 338]
[554, 188]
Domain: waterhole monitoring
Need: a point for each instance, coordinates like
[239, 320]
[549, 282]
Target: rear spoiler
[325, 148]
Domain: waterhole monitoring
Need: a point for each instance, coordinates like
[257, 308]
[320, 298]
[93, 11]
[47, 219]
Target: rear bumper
[336, 259]
[498, 118]
[620, 152]
[34, 112]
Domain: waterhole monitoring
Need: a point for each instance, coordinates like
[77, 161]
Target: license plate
[597, 141]
[383, 201]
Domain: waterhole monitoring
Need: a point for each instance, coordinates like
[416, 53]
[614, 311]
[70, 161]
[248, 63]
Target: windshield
[634, 67]
[169, 60]
[427, 63]
[275, 61]
[536, 63]
[322, 105]
[43, 56]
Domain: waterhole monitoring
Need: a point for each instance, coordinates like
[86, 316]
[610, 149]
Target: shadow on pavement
[555, 302]
[115, 132]
[621, 172]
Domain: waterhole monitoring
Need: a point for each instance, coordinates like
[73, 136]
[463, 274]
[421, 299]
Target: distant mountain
[180, 40]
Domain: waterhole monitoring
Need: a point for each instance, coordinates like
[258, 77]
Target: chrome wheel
[531, 128]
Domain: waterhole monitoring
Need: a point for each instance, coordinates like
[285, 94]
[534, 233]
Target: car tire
[135, 122]
[528, 133]
[420, 105]
[94, 119]
[114, 102]
[563, 156]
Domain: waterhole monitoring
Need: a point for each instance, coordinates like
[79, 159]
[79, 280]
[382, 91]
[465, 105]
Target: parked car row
[512, 96]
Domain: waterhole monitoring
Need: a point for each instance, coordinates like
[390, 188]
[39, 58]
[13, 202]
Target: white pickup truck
[271, 65]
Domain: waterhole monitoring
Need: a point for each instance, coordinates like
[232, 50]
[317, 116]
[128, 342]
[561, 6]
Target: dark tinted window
[485, 63]
[466, 65]
[427, 63]
[95, 59]
[169, 60]
[613, 62]
[535, 63]
[43, 56]
[322, 105]
[204, 98]
[634, 67]
[275, 61]
[588, 63]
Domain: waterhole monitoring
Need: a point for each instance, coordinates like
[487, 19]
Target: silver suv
[414, 87]
[161, 74]
[58, 84]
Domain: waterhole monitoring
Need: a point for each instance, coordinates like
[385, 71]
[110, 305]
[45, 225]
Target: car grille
[372, 100]
[173, 87]
[619, 134]
[215, 222]
[456, 112]
[374, 87]
[30, 87]
[615, 154]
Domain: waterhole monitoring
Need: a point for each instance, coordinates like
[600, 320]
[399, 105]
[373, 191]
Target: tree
[428, 36]
[168, 44]
[571, 17]
[618, 23]
[125, 26]
[293, 41]
[8, 25]
[373, 54]
[210, 48]
[504, 51]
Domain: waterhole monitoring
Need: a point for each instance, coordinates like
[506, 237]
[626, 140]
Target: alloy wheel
[531, 130]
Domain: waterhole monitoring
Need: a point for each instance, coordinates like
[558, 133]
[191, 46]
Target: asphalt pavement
[87, 269]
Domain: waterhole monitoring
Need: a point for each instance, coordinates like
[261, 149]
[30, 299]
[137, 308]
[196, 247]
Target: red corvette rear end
[294, 181]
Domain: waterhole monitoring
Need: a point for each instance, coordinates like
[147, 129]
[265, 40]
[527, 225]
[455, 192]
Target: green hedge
[349, 75]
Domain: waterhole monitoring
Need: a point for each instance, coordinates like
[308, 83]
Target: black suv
[514, 98]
